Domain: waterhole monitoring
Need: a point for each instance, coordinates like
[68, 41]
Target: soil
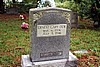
[6, 17]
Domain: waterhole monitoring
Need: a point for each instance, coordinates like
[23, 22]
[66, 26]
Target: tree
[28, 1]
[90, 8]
[13, 1]
[1, 6]
[77, 1]
[62, 1]
[95, 13]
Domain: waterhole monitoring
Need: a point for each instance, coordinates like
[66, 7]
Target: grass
[15, 42]
[85, 39]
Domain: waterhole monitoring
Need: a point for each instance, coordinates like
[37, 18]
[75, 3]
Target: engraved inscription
[51, 30]
[51, 54]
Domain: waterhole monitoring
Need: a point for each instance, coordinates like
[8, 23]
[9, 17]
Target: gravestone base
[12, 10]
[71, 62]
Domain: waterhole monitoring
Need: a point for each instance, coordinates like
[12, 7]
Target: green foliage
[47, 3]
[29, 1]
[69, 5]
[59, 1]
[82, 7]
[77, 1]
[85, 9]
[22, 7]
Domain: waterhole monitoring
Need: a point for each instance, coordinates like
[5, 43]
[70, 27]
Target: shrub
[22, 7]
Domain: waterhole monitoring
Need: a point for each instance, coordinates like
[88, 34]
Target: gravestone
[74, 18]
[50, 34]
[50, 38]
[12, 10]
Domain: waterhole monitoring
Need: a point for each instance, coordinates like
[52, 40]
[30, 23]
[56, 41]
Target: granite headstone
[12, 10]
[74, 18]
[50, 33]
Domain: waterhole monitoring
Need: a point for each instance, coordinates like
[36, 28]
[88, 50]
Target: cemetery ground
[15, 42]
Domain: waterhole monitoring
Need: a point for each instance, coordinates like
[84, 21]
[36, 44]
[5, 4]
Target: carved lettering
[51, 30]
[51, 54]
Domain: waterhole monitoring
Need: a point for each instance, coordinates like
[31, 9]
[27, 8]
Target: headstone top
[49, 8]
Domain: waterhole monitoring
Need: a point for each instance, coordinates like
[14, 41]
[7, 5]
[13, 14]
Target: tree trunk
[13, 1]
[1, 6]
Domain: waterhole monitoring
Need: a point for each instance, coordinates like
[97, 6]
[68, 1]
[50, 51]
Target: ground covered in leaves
[15, 42]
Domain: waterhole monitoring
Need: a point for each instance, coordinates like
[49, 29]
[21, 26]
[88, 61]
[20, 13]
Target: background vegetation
[85, 8]
[89, 9]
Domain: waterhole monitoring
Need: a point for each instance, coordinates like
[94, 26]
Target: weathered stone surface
[50, 34]
[12, 11]
[74, 23]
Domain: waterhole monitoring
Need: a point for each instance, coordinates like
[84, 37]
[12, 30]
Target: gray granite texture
[74, 23]
[12, 10]
[44, 45]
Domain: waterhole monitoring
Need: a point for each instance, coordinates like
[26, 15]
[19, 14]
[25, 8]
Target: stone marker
[74, 18]
[12, 10]
[50, 35]
[50, 38]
